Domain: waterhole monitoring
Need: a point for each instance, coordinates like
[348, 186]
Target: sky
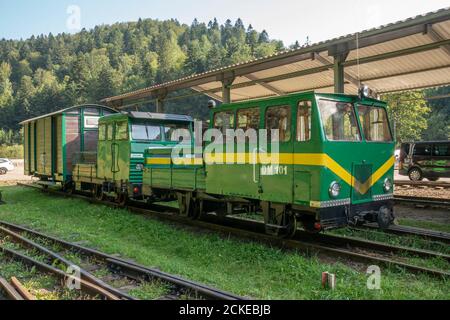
[287, 20]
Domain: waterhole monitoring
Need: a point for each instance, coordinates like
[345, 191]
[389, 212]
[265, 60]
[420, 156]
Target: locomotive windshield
[375, 124]
[145, 132]
[339, 121]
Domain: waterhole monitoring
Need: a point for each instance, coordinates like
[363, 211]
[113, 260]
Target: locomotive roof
[67, 110]
[159, 116]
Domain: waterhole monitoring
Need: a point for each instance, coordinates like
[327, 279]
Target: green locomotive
[334, 164]
[115, 170]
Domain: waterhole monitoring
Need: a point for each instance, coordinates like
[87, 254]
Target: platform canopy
[406, 55]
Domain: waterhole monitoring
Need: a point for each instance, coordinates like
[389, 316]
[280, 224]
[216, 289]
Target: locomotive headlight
[139, 167]
[387, 185]
[335, 189]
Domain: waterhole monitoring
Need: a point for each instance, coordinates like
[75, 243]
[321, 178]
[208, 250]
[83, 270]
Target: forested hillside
[47, 72]
[44, 73]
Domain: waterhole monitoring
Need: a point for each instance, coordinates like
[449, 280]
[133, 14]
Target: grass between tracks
[245, 268]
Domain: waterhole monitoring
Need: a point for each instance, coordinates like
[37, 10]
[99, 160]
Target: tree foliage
[47, 72]
[408, 112]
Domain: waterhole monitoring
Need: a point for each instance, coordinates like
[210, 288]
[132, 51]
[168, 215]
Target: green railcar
[53, 142]
[331, 163]
[116, 169]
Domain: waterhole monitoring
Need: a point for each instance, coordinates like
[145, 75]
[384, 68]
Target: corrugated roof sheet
[67, 110]
[409, 54]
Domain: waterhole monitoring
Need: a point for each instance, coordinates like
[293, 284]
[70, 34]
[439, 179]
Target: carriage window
[304, 121]
[339, 121]
[248, 119]
[91, 112]
[174, 132]
[102, 132]
[374, 123]
[109, 132]
[224, 121]
[279, 118]
[122, 130]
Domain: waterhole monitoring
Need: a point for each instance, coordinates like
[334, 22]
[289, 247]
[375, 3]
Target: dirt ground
[17, 175]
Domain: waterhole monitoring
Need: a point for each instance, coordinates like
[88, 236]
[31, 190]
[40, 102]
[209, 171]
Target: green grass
[245, 268]
[425, 224]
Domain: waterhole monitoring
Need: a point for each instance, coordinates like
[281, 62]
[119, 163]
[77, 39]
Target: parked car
[429, 159]
[5, 166]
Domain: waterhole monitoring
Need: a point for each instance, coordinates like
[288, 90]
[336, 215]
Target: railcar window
[441, 150]
[143, 132]
[174, 132]
[339, 121]
[224, 121]
[109, 132]
[102, 132]
[122, 130]
[279, 118]
[304, 121]
[374, 123]
[248, 119]
[422, 150]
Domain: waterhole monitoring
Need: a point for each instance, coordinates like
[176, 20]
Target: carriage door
[302, 145]
[276, 175]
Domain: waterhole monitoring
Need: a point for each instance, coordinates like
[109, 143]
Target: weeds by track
[342, 247]
[179, 288]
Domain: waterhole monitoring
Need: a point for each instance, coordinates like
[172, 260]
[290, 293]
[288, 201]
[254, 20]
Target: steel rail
[131, 269]
[444, 185]
[84, 274]
[21, 289]
[255, 231]
[10, 291]
[411, 231]
[43, 267]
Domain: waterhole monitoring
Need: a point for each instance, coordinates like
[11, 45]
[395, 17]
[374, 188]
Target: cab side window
[224, 121]
[248, 119]
[102, 132]
[122, 130]
[304, 121]
[279, 118]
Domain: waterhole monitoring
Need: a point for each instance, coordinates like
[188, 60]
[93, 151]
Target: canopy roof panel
[409, 54]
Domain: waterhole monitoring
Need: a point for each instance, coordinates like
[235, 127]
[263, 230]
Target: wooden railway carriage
[334, 167]
[53, 142]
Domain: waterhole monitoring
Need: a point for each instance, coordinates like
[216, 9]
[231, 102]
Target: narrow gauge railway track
[411, 231]
[129, 269]
[344, 247]
[422, 201]
[86, 287]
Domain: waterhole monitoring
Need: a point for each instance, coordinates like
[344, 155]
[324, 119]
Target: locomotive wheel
[122, 199]
[99, 195]
[292, 226]
[385, 218]
[68, 187]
